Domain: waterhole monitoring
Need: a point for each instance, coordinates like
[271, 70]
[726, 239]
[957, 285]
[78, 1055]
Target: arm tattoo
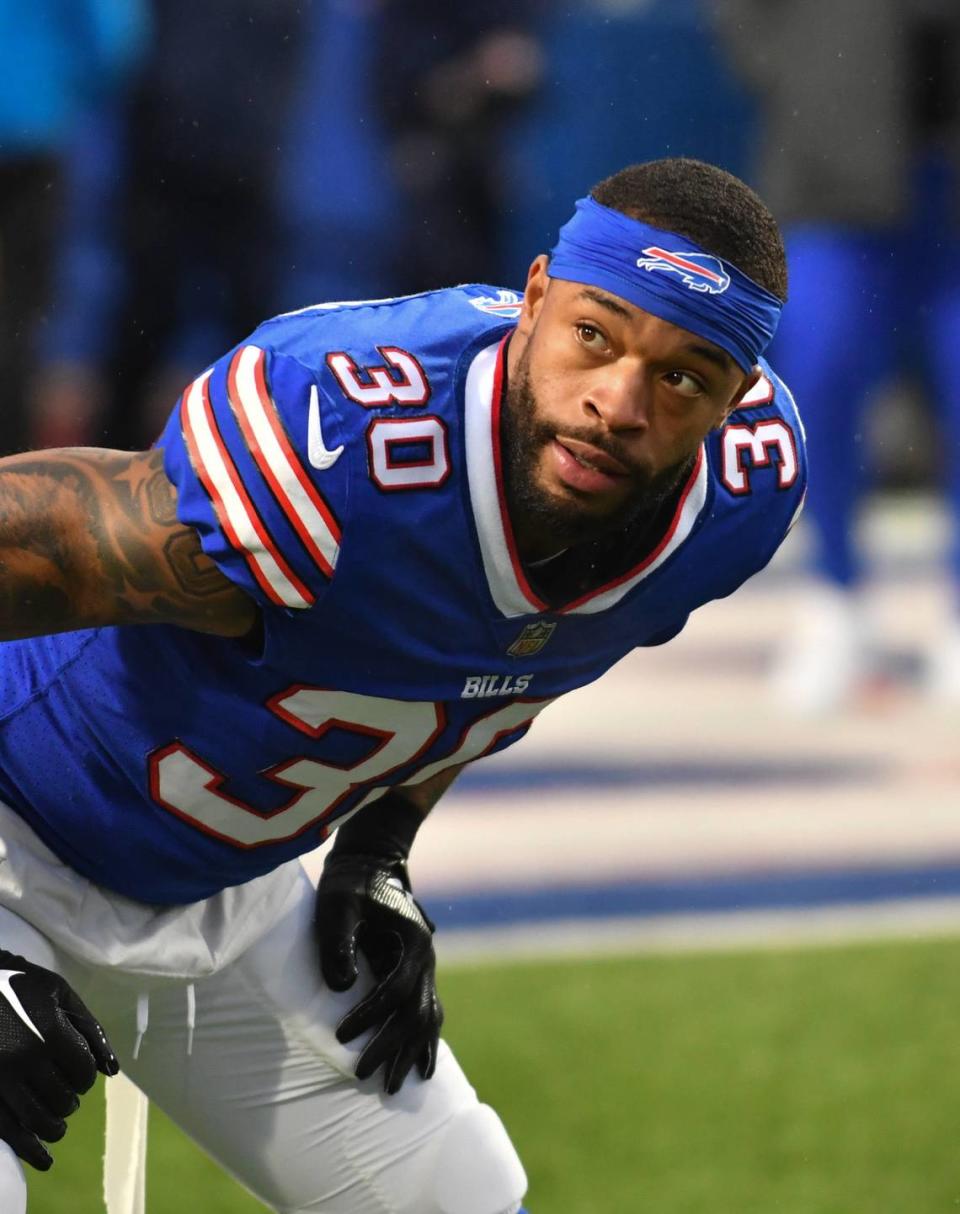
[91, 537]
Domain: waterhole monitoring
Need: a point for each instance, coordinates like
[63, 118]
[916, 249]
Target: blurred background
[779, 781]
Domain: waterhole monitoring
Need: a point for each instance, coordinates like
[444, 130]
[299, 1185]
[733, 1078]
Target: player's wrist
[382, 832]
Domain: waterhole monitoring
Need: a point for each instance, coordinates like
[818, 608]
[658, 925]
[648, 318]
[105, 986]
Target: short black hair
[707, 205]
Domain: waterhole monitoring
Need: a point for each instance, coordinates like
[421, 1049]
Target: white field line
[734, 931]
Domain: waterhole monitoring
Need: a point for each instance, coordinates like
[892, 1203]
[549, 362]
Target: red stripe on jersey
[247, 505]
[264, 464]
[272, 418]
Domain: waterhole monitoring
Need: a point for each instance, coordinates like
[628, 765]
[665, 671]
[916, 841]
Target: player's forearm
[425, 795]
[389, 825]
[90, 537]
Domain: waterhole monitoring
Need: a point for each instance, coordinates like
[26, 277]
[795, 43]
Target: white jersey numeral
[400, 732]
[408, 453]
[759, 442]
[399, 381]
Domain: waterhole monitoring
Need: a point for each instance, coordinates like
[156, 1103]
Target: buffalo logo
[698, 271]
[504, 303]
[531, 640]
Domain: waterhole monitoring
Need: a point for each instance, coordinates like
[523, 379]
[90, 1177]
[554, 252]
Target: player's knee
[13, 1184]
[478, 1170]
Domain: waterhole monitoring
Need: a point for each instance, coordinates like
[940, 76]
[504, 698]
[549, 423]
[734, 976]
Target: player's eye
[593, 338]
[684, 383]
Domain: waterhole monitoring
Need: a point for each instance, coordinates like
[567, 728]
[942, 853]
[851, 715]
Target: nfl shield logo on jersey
[531, 640]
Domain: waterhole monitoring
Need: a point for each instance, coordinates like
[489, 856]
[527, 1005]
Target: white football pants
[238, 1048]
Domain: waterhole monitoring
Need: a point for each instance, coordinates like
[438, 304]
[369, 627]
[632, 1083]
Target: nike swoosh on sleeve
[319, 455]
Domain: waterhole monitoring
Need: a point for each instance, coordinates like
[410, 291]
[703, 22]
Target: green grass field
[802, 1082]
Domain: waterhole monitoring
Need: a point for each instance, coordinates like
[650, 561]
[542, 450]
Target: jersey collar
[511, 592]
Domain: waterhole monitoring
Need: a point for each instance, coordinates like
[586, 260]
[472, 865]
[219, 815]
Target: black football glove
[50, 1051]
[364, 903]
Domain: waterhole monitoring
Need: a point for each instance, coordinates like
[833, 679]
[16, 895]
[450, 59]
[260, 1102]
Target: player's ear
[533, 293]
[749, 382]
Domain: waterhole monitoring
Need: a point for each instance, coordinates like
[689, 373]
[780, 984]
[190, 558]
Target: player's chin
[577, 503]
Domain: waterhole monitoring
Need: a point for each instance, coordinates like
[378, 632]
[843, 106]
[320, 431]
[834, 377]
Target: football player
[373, 543]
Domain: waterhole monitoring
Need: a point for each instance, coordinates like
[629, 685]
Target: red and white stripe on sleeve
[283, 471]
[236, 512]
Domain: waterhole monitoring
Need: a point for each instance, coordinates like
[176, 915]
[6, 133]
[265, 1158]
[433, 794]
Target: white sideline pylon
[125, 1154]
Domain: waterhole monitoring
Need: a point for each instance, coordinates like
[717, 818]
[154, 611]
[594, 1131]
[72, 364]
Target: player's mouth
[586, 468]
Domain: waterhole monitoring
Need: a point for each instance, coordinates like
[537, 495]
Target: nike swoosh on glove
[51, 1049]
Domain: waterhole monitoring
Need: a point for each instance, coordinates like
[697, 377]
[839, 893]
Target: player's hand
[364, 903]
[51, 1049]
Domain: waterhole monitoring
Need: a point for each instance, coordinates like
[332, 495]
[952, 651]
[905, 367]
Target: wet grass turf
[803, 1082]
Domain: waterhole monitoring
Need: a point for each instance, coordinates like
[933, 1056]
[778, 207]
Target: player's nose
[619, 397]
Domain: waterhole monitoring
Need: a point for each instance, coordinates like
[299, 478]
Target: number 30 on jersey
[402, 452]
[403, 732]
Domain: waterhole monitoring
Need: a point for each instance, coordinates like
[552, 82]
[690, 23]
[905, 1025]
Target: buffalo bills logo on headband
[698, 271]
[668, 275]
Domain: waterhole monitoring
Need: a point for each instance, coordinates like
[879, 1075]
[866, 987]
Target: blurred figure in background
[469, 69]
[170, 236]
[859, 162]
[337, 201]
[56, 57]
[258, 177]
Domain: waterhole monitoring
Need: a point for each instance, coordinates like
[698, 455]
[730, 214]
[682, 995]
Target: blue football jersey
[343, 467]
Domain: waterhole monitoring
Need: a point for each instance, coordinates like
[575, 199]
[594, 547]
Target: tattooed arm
[91, 537]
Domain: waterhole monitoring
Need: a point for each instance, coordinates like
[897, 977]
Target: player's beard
[524, 437]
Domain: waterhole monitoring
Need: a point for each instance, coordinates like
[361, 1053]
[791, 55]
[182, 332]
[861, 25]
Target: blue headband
[669, 276]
